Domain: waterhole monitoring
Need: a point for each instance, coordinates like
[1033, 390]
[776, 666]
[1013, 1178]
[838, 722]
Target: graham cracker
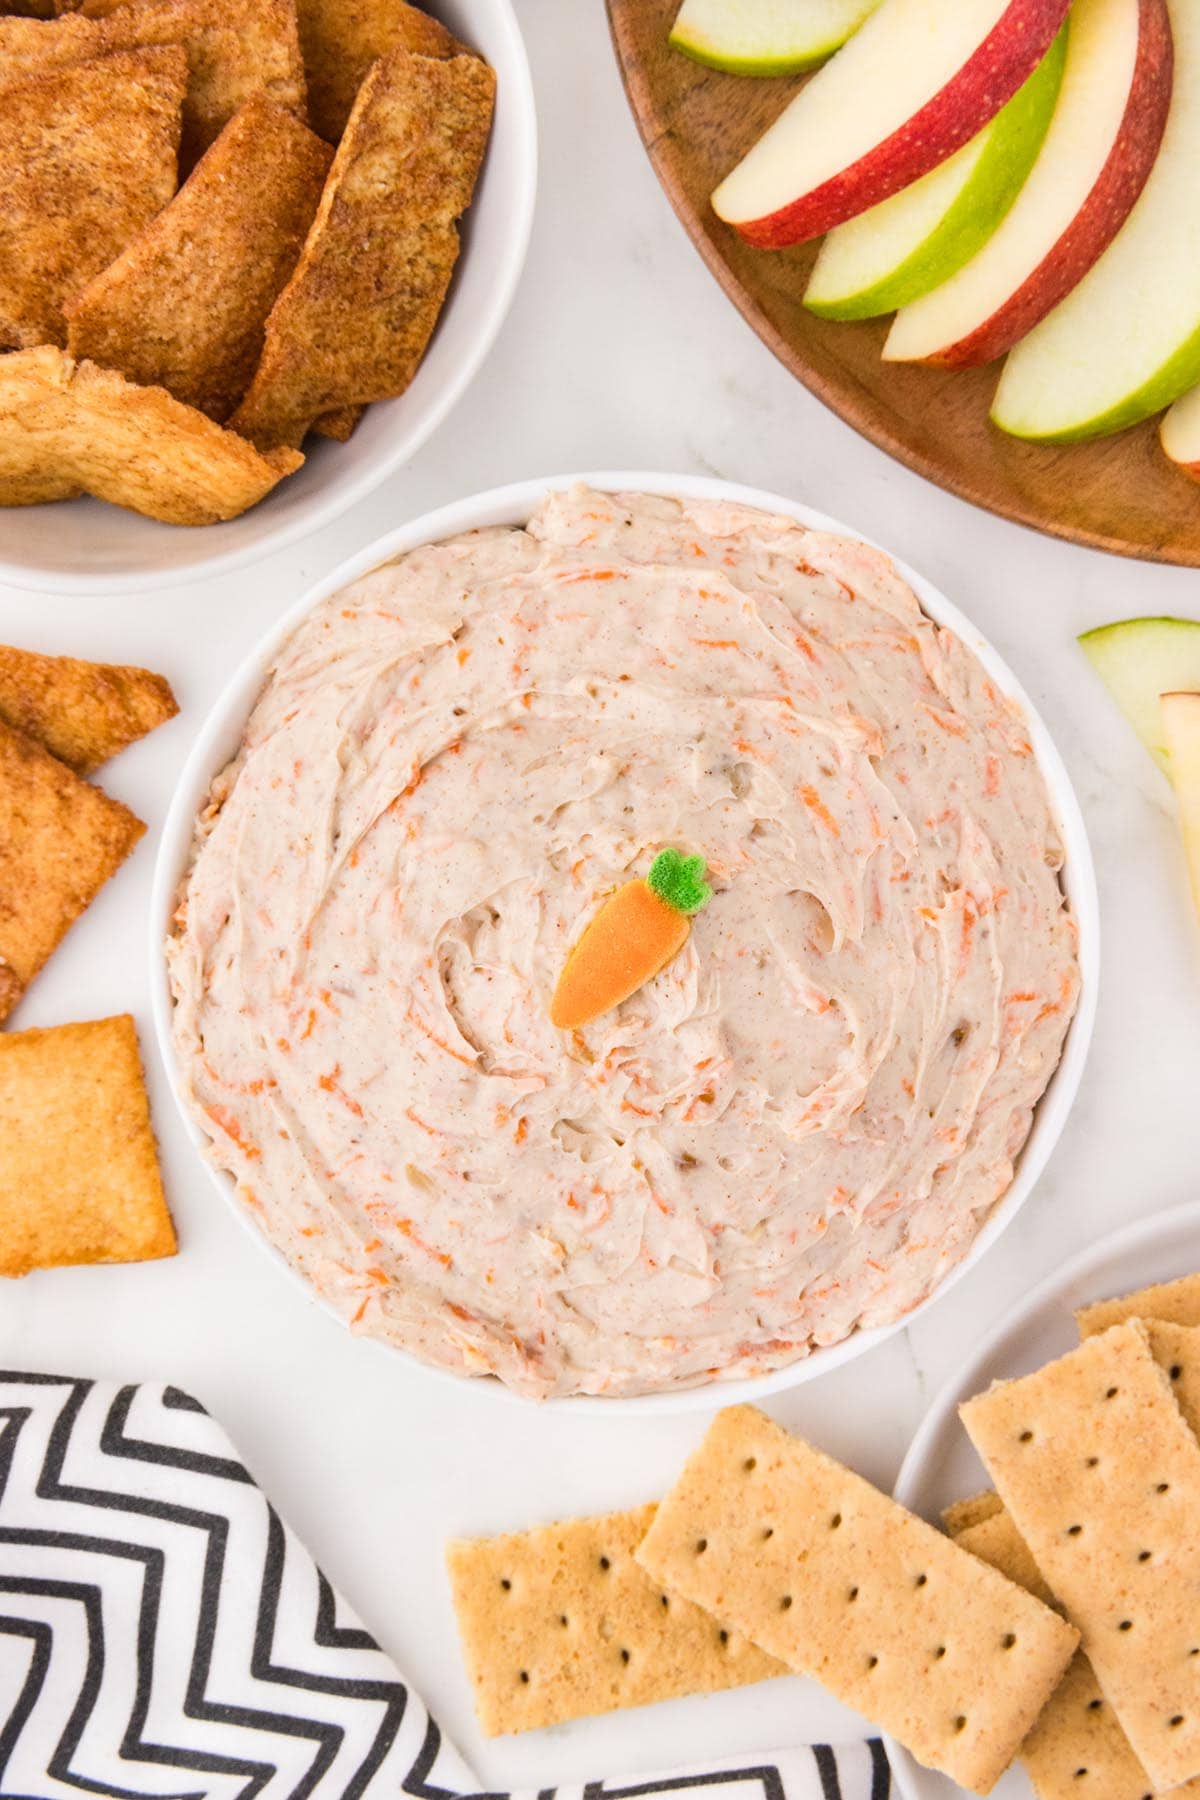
[1177, 1302]
[1078, 1746]
[998, 1542]
[183, 306]
[354, 321]
[961, 1514]
[88, 155]
[60, 840]
[561, 1622]
[1176, 1350]
[1078, 1738]
[79, 1180]
[82, 712]
[824, 1572]
[1101, 1473]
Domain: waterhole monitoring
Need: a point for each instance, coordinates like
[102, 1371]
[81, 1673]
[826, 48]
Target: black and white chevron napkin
[163, 1634]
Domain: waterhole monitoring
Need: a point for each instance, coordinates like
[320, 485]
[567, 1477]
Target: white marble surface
[620, 352]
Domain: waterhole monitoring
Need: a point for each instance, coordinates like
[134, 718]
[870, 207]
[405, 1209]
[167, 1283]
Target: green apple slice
[1181, 729]
[900, 249]
[1139, 659]
[1126, 341]
[766, 37]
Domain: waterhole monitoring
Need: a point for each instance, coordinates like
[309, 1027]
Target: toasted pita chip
[60, 840]
[79, 1180]
[339, 425]
[340, 39]
[183, 307]
[70, 428]
[233, 52]
[82, 712]
[88, 155]
[11, 988]
[353, 322]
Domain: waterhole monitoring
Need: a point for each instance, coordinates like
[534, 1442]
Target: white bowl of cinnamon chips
[277, 256]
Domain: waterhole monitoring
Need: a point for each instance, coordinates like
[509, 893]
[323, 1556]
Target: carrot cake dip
[790, 1133]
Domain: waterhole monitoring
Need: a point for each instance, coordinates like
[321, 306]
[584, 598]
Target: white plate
[221, 734]
[84, 546]
[942, 1466]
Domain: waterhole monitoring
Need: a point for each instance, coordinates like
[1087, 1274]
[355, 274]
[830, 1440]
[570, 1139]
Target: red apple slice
[1125, 342]
[1103, 138]
[919, 79]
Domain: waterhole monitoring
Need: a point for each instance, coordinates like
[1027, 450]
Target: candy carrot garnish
[635, 934]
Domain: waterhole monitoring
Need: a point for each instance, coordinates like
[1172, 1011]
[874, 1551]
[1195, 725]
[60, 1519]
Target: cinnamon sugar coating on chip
[88, 155]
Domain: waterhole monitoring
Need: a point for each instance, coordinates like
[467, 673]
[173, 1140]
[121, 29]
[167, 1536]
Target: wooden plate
[1119, 494]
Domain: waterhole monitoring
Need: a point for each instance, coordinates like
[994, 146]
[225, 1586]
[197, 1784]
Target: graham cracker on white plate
[1177, 1302]
[960, 1515]
[840, 1583]
[1077, 1746]
[1101, 1473]
[561, 1622]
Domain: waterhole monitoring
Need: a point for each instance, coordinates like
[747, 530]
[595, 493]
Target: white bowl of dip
[85, 546]
[221, 735]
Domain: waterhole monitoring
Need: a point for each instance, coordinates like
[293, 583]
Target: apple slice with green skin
[898, 250]
[913, 85]
[765, 37]
[1139, 659]
[1126, 341]
[1180, 433]
[1181, 728]
[1094, 162]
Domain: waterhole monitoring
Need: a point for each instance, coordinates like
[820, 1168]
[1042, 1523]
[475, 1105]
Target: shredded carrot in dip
[787, 1130]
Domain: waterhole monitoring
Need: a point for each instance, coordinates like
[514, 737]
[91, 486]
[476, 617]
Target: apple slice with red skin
[917, 81]
[1095, 159]
[1125, 342]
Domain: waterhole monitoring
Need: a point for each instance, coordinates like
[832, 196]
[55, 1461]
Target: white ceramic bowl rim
[514, 505]
[359, 466]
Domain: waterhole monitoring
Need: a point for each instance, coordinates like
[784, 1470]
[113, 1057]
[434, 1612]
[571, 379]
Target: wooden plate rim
[866, 423]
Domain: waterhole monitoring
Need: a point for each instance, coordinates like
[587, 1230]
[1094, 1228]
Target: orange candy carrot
[634, 935]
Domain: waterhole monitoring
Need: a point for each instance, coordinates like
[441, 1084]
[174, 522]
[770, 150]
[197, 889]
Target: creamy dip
[791, 1133]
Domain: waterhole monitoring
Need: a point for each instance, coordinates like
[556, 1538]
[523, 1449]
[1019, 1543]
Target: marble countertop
[620, 352]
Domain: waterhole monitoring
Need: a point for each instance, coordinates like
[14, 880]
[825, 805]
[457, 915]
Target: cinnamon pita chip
[79, 1180]
[340, 39]
[60, 840]
[82, 712]
[184, 305]
[88, 155]
[354, 320]
[339, 425]
[232, 51]
[70, 428]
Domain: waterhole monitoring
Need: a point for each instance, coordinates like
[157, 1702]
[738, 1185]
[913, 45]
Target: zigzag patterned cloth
[163, 1634]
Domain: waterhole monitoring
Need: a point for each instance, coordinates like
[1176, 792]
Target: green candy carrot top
[635, 934]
